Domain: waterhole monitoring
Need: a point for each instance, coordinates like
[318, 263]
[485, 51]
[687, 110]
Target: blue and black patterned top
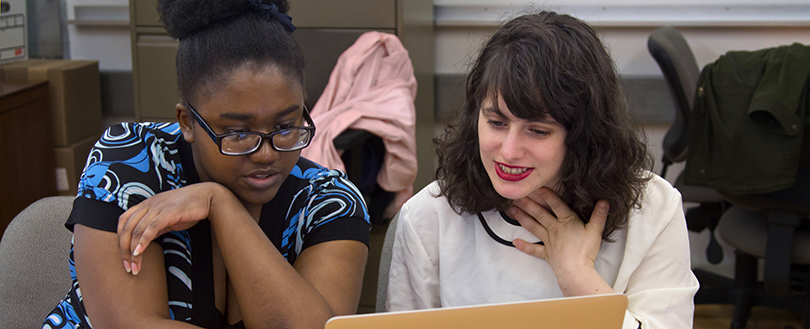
[134, 161]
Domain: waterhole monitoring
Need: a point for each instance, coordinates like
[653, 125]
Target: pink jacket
[371, 88]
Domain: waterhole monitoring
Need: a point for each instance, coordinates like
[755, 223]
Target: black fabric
[313, 205]
[94, 214]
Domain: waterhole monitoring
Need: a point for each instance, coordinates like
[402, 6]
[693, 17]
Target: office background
[100, 30]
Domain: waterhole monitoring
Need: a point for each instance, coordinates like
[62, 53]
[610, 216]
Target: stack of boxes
[75, 106]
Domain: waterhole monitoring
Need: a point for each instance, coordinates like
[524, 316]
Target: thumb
[536, 250]
[599, 216]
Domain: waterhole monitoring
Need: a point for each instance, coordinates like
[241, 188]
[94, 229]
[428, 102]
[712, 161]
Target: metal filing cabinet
[325, 28]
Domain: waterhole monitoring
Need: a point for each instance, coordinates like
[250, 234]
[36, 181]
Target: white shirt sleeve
[413, 280]
[661, 287]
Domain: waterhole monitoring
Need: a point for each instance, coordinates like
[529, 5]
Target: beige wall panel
[157, 79]
[146, 13]
[370, 14]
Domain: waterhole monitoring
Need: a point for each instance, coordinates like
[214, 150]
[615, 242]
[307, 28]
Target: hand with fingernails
[174, 210]
[569, 245]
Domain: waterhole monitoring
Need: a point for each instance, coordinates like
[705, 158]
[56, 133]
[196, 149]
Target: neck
[255, 211]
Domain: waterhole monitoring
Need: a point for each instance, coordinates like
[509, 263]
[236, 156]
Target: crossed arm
[324, 282]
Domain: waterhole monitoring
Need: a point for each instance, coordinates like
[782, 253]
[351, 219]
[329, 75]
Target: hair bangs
[512, 76]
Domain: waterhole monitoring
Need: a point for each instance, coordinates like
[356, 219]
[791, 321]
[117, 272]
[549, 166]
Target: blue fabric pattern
[134, 161]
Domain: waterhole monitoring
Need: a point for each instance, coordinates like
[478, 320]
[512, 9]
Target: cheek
[486, 143]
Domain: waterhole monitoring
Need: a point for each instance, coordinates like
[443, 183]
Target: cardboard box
[13, 31]
[74, 95]
[70, 161]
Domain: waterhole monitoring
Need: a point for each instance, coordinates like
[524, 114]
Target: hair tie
[270, 12]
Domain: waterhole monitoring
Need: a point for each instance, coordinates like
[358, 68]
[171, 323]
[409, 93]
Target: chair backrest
[34, 270]
[681, 72]
[385, 264]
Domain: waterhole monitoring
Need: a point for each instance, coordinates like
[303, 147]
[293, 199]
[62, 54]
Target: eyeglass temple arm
[202, 122]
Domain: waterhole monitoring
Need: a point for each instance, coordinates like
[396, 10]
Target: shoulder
[133, 161]
[124, 143]
[658, 191]
[318, 177]
[429, 199]
[426, 210]
[324, 186]
[127, 133]
[660, 204]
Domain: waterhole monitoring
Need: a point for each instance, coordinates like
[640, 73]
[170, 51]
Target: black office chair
[363, 154]
[673, 55]
[773, 226]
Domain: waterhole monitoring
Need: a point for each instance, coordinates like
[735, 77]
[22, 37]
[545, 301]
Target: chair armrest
[351, 138]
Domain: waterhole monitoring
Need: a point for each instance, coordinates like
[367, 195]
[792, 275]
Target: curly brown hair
[542, 65]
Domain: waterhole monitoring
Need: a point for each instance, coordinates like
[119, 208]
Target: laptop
[587, 312]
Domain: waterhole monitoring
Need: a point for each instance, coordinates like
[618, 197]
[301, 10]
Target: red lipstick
[523, 172]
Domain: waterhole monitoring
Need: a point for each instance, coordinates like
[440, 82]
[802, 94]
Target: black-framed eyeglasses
[247, 142]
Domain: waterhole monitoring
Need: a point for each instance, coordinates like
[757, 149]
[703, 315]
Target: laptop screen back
[589, 312]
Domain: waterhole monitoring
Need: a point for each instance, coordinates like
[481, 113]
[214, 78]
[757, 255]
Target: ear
[186, 122]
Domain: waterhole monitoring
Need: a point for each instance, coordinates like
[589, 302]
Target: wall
[712, 27]
[99, 30]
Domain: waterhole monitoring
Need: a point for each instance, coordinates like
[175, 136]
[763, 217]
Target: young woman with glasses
[216, 221]
[542, 190]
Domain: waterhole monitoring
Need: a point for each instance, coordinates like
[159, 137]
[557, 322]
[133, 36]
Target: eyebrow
[493, 110]
[245, 117]
[547, 119]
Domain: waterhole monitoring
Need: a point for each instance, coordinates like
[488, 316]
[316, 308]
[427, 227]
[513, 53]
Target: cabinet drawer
[157, 78]
[362, 14]
[321, 49]
[146, 13]
[369, 14]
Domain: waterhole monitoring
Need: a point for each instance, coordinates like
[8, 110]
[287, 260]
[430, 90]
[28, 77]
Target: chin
[512, 192]
[257, 198]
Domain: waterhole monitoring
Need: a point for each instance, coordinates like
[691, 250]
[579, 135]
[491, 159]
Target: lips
[512, 173]
[261, 179]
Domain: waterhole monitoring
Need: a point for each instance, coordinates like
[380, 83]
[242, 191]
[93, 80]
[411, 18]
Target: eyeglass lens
[285, 140]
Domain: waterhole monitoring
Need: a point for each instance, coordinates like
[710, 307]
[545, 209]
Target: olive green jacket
[748, 120]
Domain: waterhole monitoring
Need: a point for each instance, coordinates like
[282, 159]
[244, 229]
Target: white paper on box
[62, 179]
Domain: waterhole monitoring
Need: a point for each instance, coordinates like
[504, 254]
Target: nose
[512, 147]
[265, 153]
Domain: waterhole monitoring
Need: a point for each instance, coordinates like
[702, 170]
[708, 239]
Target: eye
[236, 130]
[540, 132]
[242, 136]
[495, 123]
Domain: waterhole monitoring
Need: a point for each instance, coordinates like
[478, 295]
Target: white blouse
[442, 259]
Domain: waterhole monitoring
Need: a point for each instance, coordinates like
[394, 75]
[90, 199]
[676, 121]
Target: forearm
[270, 291]
[583, 282]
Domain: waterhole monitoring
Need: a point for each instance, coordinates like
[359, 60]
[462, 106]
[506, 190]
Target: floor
[719, 317]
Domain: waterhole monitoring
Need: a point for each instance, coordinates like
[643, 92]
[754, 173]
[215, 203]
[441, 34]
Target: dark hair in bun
[219, 36]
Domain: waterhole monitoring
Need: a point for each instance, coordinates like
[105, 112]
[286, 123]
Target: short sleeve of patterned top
[134, 161]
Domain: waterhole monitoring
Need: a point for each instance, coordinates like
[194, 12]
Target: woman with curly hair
[218, 220]
[542, 189]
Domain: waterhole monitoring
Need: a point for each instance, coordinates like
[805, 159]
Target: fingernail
[137, 250]
[135, 269]
[127, 267]
[512, 211]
